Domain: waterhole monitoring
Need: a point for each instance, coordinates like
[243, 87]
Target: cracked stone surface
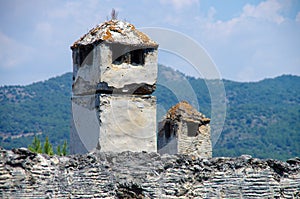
[113, 59]
[127, 123]
[24, 174]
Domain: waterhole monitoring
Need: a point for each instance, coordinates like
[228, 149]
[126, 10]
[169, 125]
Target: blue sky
[248, 40]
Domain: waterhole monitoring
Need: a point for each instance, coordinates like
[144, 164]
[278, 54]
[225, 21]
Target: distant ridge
[263, 118]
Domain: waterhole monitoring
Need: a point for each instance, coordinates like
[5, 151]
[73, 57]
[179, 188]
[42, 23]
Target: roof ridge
[115, 31]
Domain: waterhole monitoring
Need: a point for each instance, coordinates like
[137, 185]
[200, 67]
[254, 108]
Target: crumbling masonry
[184, 130]
[114, 74]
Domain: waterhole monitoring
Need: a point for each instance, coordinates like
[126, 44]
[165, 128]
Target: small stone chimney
[184, 130]
[114, 75]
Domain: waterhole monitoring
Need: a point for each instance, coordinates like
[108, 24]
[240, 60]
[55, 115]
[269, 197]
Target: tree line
[47, 148]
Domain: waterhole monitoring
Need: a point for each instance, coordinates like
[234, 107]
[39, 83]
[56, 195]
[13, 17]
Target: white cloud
[179, 4]
[211, 13]
[80, 12]
[44, 31]
[250, 46]
[12, 53]
[268, 10]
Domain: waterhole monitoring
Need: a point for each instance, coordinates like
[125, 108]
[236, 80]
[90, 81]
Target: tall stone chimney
[114, 75]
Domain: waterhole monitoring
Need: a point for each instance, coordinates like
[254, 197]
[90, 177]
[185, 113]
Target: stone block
[127, 123]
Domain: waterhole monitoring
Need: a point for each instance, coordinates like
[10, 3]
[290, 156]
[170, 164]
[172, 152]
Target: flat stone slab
[127, 123]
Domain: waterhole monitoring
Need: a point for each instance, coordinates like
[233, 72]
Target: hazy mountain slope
[263, 118]
[40, 107]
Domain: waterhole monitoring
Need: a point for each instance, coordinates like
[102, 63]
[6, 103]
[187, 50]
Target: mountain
[262, 119]
[41, 108]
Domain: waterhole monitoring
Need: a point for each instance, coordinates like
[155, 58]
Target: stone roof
[186, 112]
[115, 31]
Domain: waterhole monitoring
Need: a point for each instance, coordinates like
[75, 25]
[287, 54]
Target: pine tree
[64, 149]
[58, 150]
[48, 147]
[36, 145]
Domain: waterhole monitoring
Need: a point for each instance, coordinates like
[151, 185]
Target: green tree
[36, 145]
[58, 150]
[48, 147]
[64, 149]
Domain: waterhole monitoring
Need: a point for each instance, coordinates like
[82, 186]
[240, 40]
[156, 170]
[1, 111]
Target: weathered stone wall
[114, 68]
[145, 175]
[98, 67]
[198, 145]
[127, 123]
[185, 131]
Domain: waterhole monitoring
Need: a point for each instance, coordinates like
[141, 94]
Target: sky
[248, 40]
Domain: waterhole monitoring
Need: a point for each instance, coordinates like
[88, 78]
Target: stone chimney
[185, 131]
[114, 75]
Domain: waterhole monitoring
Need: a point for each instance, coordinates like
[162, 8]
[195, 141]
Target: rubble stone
[24, 174]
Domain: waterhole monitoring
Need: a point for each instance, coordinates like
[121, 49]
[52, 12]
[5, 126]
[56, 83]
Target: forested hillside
[41, 108]
[263, 118]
